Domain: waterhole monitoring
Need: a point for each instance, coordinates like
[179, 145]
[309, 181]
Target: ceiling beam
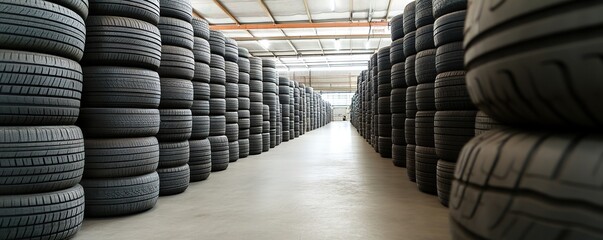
[267, 10]
[250, 26]
[312, 37]
[317, 54]
[308, 11]
[225, 10]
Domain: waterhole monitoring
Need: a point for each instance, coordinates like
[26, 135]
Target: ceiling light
[332, 5]
[265, 43]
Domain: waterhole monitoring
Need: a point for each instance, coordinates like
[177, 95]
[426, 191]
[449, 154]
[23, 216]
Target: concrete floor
[327, 184]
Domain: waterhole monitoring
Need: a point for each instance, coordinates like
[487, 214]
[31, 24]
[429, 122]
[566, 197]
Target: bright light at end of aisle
[265, 43]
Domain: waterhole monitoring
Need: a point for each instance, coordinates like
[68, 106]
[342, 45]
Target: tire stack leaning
[270, 81]
[541, 176]
[40, 92]
[244, 102]
[383, 92]
[256, 106]
[231, 58]
[425, 74]
[283, 89]
[200, 149]
[297, 109]
[176, 71]
[455, 117]
[220, 154]
[398, 92]
[119, 117]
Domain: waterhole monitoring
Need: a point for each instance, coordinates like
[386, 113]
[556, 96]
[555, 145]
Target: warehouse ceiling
[323, 43]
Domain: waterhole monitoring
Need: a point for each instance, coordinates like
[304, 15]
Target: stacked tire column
[384, 91]
[244, 102]
[297, 109]
[455, 117]
[409, 50]
[256, 106]
[270, 81]
[398, 92]
[425, 73]
[291, 110]
[40, 92]
[302, 101]
[279, 124]
[232, 98]
[176, 71]
[220, 153]
[120, 118]
[283, 89]
[200, 149]
[375, 101]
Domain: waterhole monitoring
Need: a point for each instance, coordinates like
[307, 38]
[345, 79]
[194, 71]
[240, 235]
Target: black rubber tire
[120, 41]
[383, 59]
[217, 43]
[218, 76]
[200, 28]
[255, 144]
[449, 57]
[426, 162]
[59, 214]
[41, 26]
[424, 97]
[244, 53]
[384, 90]
[173, 180]
[449, 28]
[396, 54]
[425, 66]
[145, 10]
[424, 133]
[232, 132]
[176, 62]
[244, 103]
[410, 162]
[233, 151]
[217, 125]
[265, 142]
[397, 27]
[383, 105]
[444, 177]
[121, 157]
[79, 6]
[201, 90]
[200, 160]
[399, 155]
[173, 154]
[409, 130]
[119, 122]
[536, 176]
[176, 32]
[217, 91]
[255, 69]
[202, 72]
[424, 38]
[217, 62]
[423, 13]
[231, 50]
[411, 103]
[243, 91]
[201, 108]
[25, 80]
[232, 104]
[176, 125]
[232, 90]
[243, 148]
[219, 153]
[201, 126]
[441, 7]
[35, 155]
[176, 93]
[451, 92]
[452, 130]
[243, 77]
[384, 77]
[232, 72]
[409, 71]
[398, 101]
[201, 50]
[484, 123]
[127, 87]
[409, 18]
[181, 9]
[256, 86]
[398, 75]
[385, 147]
[107, 197]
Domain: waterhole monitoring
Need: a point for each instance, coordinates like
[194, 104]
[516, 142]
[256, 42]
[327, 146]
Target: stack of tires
[270, 80]
[265, 128]
[244, 102]
[375, 101]
[409, 50]
[535, 67]
[231, 57]
[283, 89]
[455, 117]
[119, 117]
[291, 110]
[303, 111]
[200, 149]
[398, 92]
[220, 153]
[425, 73]
[279, 125]
[297, 110]
[256, 106]
[367, 100]
[309, 108]
[176, 71]
[383, 92]
[40, 92]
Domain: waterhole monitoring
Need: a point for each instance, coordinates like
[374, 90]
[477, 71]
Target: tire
[397, 27]
[397, 122]
[425, 66]
[243, 148]
[41, 26]
[409, 18]
[265, 142]
[399, 155]
[121, 87]
[548, 168]
[173, 154]
[219, 153]
[244, 78]
[243, 91]
[268, 63]
[173, 180]
[425, 97]
[176, 32]
[410, 162]
[409, 130]
[201, 90]
[202, 72]
[385, 147]
[233, 151]
[217, 76]
[217, 125]
[232, 72]
[424, 135]
[411, 104]
[200, 160]
[397, 75]
[451, 92]
[145, 10]
[119, 122]
[217, 43]
[423, 13]
[383, 59]
[200, 28]
[59, 213]
[176, 93]
[453, 129]
[244, 53]
[484, 123]
[177, 9]
[201, 50]
[201, 108]
[398, 101]
[40, 159]
[176, 125]
[120, 41]
[121, 157]
[232, 132]
[216, 61]
[449, 28]
[255, 144]
[444, 177]
[255, 70]
[424, 38]
[232, 90]
[25, 79]
[384, 90]
[426, 162]
[78, 6]
[231, 52]
[256, 87]
[232, 104]
[383, 105]
[217, 91]
[449, 57]
[409, 71]
[201, 126]
[442, 7]
[177, 62]
[107, 197]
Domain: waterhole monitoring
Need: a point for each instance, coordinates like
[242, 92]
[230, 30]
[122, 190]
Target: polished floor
[327, 184]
